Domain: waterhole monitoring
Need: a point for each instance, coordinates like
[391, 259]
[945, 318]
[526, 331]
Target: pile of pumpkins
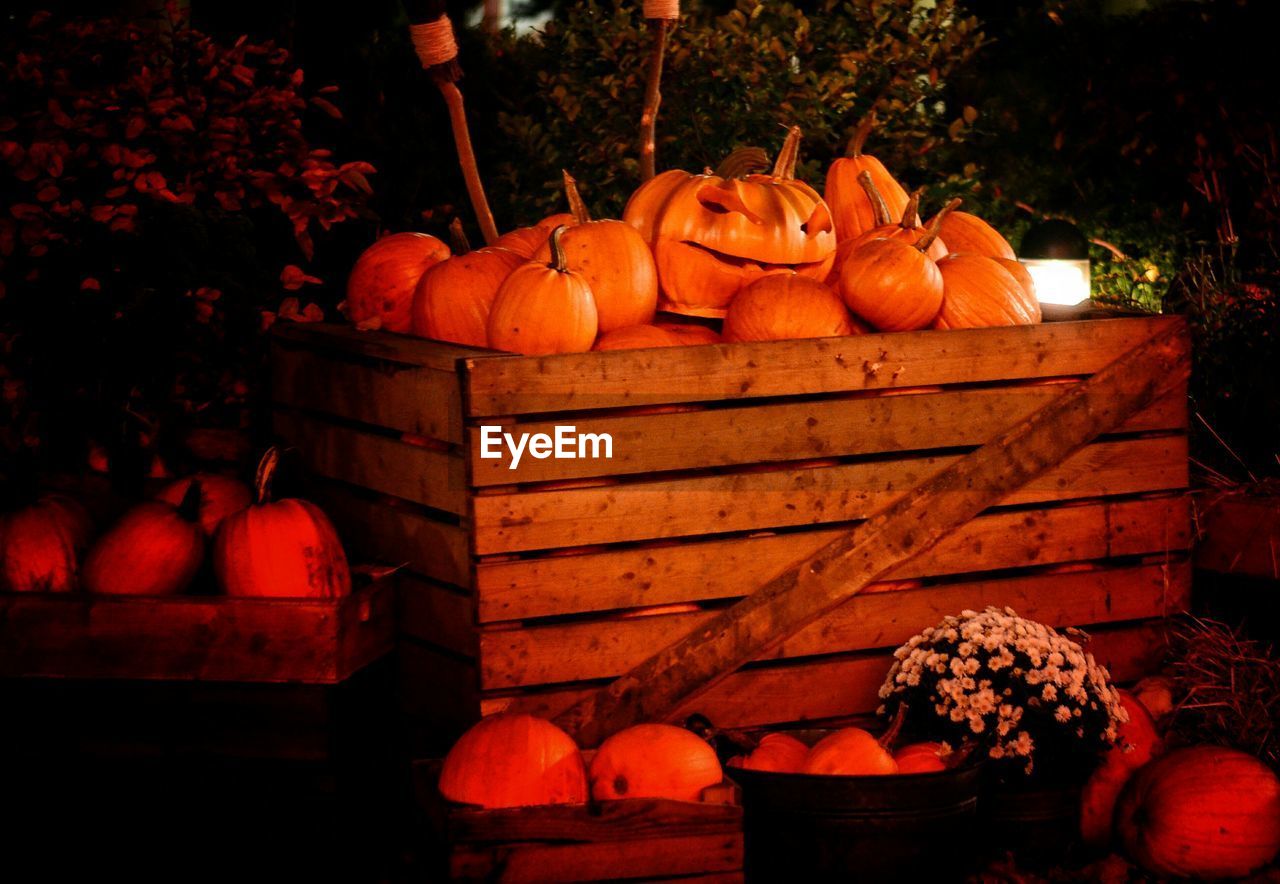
[762, 252]
[259, 547]
[1192, 812]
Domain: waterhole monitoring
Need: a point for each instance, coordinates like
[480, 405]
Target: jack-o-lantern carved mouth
[750, 264]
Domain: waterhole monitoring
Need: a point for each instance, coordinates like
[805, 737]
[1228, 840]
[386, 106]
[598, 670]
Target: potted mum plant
[1029, 699]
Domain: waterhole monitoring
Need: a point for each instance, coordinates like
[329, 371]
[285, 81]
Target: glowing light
[1064, 283]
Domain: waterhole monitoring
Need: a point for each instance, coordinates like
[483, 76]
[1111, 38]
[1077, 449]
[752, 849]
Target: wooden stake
[660, 687]
[659, 17]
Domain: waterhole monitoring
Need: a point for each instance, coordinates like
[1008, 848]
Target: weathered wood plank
[433, 478]
[405, 349]
[195, 638]
[406, 398]
[1241, 535]
[789, 368]
[842, 687]
[794, 431]
[914, 524]
[647, 859]
[390, 530]
[594, 649]
[438, 614]
[730, 568]
[747, 501]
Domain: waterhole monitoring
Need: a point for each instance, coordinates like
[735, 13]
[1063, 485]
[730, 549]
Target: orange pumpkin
[781, 753]
[544, 308]
[380, 288]
[691, 334]
[1201, 812]
[782, 307]
[559, 219]
[979, 293]
[41, 545]
[453, 298]
[920, 758]
[220, 496]
[964, 232]
[637, 337]
[646, 204]
[654, 761]
[1020, 272]
[1137, 742]
[849, 752]
[614, 260]
[282, 549]
[155, 549]
[892, 284]
[714, 236]
[907, 228]
[851, 206]
[514, 760]
[524, 241]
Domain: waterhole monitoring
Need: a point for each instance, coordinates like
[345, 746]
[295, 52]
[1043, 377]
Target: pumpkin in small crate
[380, 288]
[781, 307]
[654, 761]
[41, 545]
[155, 549]
[220, 496]
[514, 760]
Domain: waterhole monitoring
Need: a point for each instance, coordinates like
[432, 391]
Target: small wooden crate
[729, 463]
[635, 839]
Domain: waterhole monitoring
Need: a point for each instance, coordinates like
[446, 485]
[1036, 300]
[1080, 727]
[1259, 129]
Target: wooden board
[650, 859]
[731, 502]
[786, 431]
[572, 382]
[1240, 535]
[437, 613]
[592, 649]
[839, 687]
[730, 568]
[194, 638]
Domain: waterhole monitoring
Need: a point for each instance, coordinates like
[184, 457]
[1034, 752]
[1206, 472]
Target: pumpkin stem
[911, 214]
[889, 737]
[859, 137]
[458, 237]
[576, 204]
[189, 508]
[785, 166]
[936, 224]
[743, 162]
[266, 473]
[557, 251]
[879, 208]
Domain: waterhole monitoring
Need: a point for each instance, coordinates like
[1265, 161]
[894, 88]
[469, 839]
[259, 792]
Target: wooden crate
[633, 839]
[730, 462]
[1239, 535]
[195, 638]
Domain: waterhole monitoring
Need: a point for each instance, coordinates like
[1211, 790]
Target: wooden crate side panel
[406, 398]
[436, 479]
[645, 859]
[787, 368]
[194, 639]
[594, 649]
[837, 688]
[730, 568]
[438, 614]
[628, 820]
[751, 501]
[396, 532]
[726, 437]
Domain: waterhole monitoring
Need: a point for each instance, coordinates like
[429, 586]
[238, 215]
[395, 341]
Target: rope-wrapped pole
[432, 35]
[660, 15]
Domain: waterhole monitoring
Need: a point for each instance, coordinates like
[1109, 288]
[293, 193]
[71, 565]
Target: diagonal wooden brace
[671, 678]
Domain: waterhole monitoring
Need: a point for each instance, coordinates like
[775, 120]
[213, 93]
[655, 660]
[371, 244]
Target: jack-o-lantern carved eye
[722, 201]
[819, 221]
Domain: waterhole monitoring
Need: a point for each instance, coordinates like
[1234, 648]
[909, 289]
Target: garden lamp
[1056, 254]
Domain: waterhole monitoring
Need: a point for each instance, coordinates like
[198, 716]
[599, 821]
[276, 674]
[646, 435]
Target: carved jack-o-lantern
[714, 235]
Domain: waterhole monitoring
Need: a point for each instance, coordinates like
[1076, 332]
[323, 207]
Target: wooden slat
[380, 463]
[406, 398]
[789, 368]
[404, 349]
[730, 568]
[794, 431]
[196, 639]
[394, 531]
[648, 859]
[438, 614]
[783, 498]
[609, 821]
[594, 649]
[841, 687]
